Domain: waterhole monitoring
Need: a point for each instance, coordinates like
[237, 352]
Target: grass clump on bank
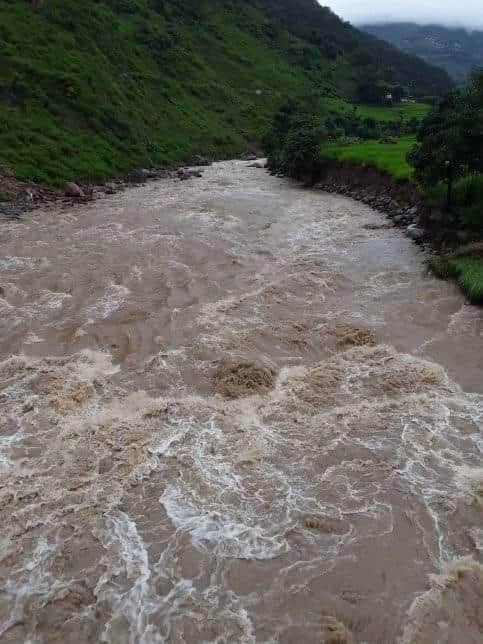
[389, 157]
[467, 271]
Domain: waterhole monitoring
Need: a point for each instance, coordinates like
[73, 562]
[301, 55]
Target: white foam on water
[111, 301]
[53, 300]
[229, 527]
[34, 579]
[17, 263]
[126, 555]
[33, 338]
[215, 514]
[466, 321]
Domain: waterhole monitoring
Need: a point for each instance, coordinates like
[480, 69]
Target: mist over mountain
[467, 14]
[457, 50]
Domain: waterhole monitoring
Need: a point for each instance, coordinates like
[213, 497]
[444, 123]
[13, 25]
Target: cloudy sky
[467, 13]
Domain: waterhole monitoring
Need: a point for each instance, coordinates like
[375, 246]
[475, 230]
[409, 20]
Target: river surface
[235, 410]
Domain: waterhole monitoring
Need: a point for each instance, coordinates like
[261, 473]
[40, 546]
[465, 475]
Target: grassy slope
[95, 88]
[390, 157]
[92, 100]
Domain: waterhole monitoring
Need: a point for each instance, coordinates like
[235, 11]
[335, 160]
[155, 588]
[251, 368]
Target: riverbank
[18, 197]
[407, 208]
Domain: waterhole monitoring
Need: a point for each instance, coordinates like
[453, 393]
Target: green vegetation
[448, 163]
[468, 271]
[389, 157]
[95, 88]
[404, 112]
[352, 136]
[448, 157]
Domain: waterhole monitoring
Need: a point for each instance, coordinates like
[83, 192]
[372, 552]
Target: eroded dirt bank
[235, 410]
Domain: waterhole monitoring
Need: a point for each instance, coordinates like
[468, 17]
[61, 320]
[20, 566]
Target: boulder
[73, 190]
[414, 232]
[184, 174]
[10, 211]
[136, 176]
[197, 159]
[110, 188]
[412, 212]
[149, 173]
[257, 164]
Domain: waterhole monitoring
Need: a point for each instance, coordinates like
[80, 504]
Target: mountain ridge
[456, 49]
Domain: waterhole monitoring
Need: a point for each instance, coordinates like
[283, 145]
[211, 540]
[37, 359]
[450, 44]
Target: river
[235, 410]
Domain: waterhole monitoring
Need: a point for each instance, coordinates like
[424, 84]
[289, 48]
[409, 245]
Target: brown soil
[470, 250]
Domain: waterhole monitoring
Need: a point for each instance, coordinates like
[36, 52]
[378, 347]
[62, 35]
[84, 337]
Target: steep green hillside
[94, 88]
[458, 51]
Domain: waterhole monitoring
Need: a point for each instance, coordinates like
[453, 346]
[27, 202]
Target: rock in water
[199, 160]
[415, 232]
[73, 190]
[184, 174]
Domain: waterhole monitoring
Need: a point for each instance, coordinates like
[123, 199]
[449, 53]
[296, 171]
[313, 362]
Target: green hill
[95, 88]
[458, 51]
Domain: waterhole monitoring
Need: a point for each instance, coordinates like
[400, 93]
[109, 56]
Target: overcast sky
[467, 13]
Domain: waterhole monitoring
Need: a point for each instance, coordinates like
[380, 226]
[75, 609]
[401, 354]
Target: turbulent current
[235, 410]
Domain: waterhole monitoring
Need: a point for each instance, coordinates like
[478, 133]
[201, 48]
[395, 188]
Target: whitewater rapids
[235, 410]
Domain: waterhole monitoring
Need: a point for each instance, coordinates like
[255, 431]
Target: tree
[302, 149]
[450, 139]
[448, 158]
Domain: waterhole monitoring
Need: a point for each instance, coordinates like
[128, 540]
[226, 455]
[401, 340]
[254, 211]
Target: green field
[390, 157]
[403, 111]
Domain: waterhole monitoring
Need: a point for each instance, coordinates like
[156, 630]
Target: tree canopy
[450, 140]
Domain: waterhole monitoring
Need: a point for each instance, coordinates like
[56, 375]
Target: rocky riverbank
[18, 197]
[399, 200]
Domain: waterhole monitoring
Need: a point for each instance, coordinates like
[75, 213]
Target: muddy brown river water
[235, 410]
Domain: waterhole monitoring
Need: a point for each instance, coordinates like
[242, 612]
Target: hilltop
[95, 88]
[458, 51]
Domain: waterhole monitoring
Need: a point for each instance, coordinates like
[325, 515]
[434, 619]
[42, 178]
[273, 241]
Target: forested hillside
[458, 51]
[95, 88]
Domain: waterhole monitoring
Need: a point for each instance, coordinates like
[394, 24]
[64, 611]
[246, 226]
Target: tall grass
[468, 271]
